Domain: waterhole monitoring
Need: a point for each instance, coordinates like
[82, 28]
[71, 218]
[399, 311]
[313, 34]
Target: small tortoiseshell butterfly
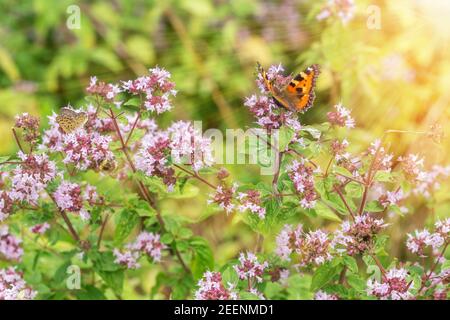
[299, 94]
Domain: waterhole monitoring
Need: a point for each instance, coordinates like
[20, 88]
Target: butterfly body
[298, 95]
[70, 120]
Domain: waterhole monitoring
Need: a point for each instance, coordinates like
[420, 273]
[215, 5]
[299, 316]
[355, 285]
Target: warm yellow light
[436, 13]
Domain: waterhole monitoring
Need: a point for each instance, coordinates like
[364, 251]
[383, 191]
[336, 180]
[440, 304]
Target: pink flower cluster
[341, 117]
[188, 146]
[265, 109]
[391, 198]
[431, 180]
[30, 126]
[312, 248]
[303, 178]
[228, 199]
[146, 243]
[40, 228]
[180, 144]
[420, 240]
[342, 9]
[393, 286]
[412, 166]
[96, 123]
[69, 197]
[13, 286]
[250, 268]
[10, 248]
[156, 88]
[358, 236]
[322, 295]
[31, 177]
[153, 158]
[211, 288]
[6, 205]
[224, 196]
[382, 159]
[86, 148]
[338, 149]
[148, 125]
[106, 90]
[424, 181]
[251, 201]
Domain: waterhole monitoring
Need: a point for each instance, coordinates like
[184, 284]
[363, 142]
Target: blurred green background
[395, 77]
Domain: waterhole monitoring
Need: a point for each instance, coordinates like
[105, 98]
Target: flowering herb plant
[92, 201]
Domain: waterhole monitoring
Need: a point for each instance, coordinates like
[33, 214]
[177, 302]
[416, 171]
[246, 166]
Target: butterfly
[299, 94]
[70, 120]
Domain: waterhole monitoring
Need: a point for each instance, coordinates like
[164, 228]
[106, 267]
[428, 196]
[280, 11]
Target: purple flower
[6, 204]
[40, 228]
[310, 248]
[249, 267]
[358, 236]
[303, 178]
[147, 243]
[322, 295]
[31, 177]
[341, 117]
[10, 248]
[251, 201]
[211, 288]
[394, 286]
[156, 89]
[13, 287]
[30, 126]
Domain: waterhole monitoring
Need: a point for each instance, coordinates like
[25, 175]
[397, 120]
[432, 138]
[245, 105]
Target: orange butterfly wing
[277, 96]
[300, 91]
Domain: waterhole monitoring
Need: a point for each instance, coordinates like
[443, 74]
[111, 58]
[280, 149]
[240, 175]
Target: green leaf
[133, 102]
[285, 137]
[184, 233]
[383, 176]
[186, 192]
[4, 159]
[273, 290]
[104, 261]
[325, 212]
[356, 282]
[167, 238]
[351, 263]
[128, 219]
[299, 287]
[315, 133]
[203, 259]
[245, 295]
[230, 275]
[354, 189]
[374, 206]
[342, 171]
[90, 293]
[324, 274]
[114, 280]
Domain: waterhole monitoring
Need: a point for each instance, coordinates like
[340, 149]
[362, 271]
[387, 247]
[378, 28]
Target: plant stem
[427, 277]
[133, 127]
[100, 237]
[146, 194]
[345, 201]
[277, 172]
[196, 176]
[17, 139]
